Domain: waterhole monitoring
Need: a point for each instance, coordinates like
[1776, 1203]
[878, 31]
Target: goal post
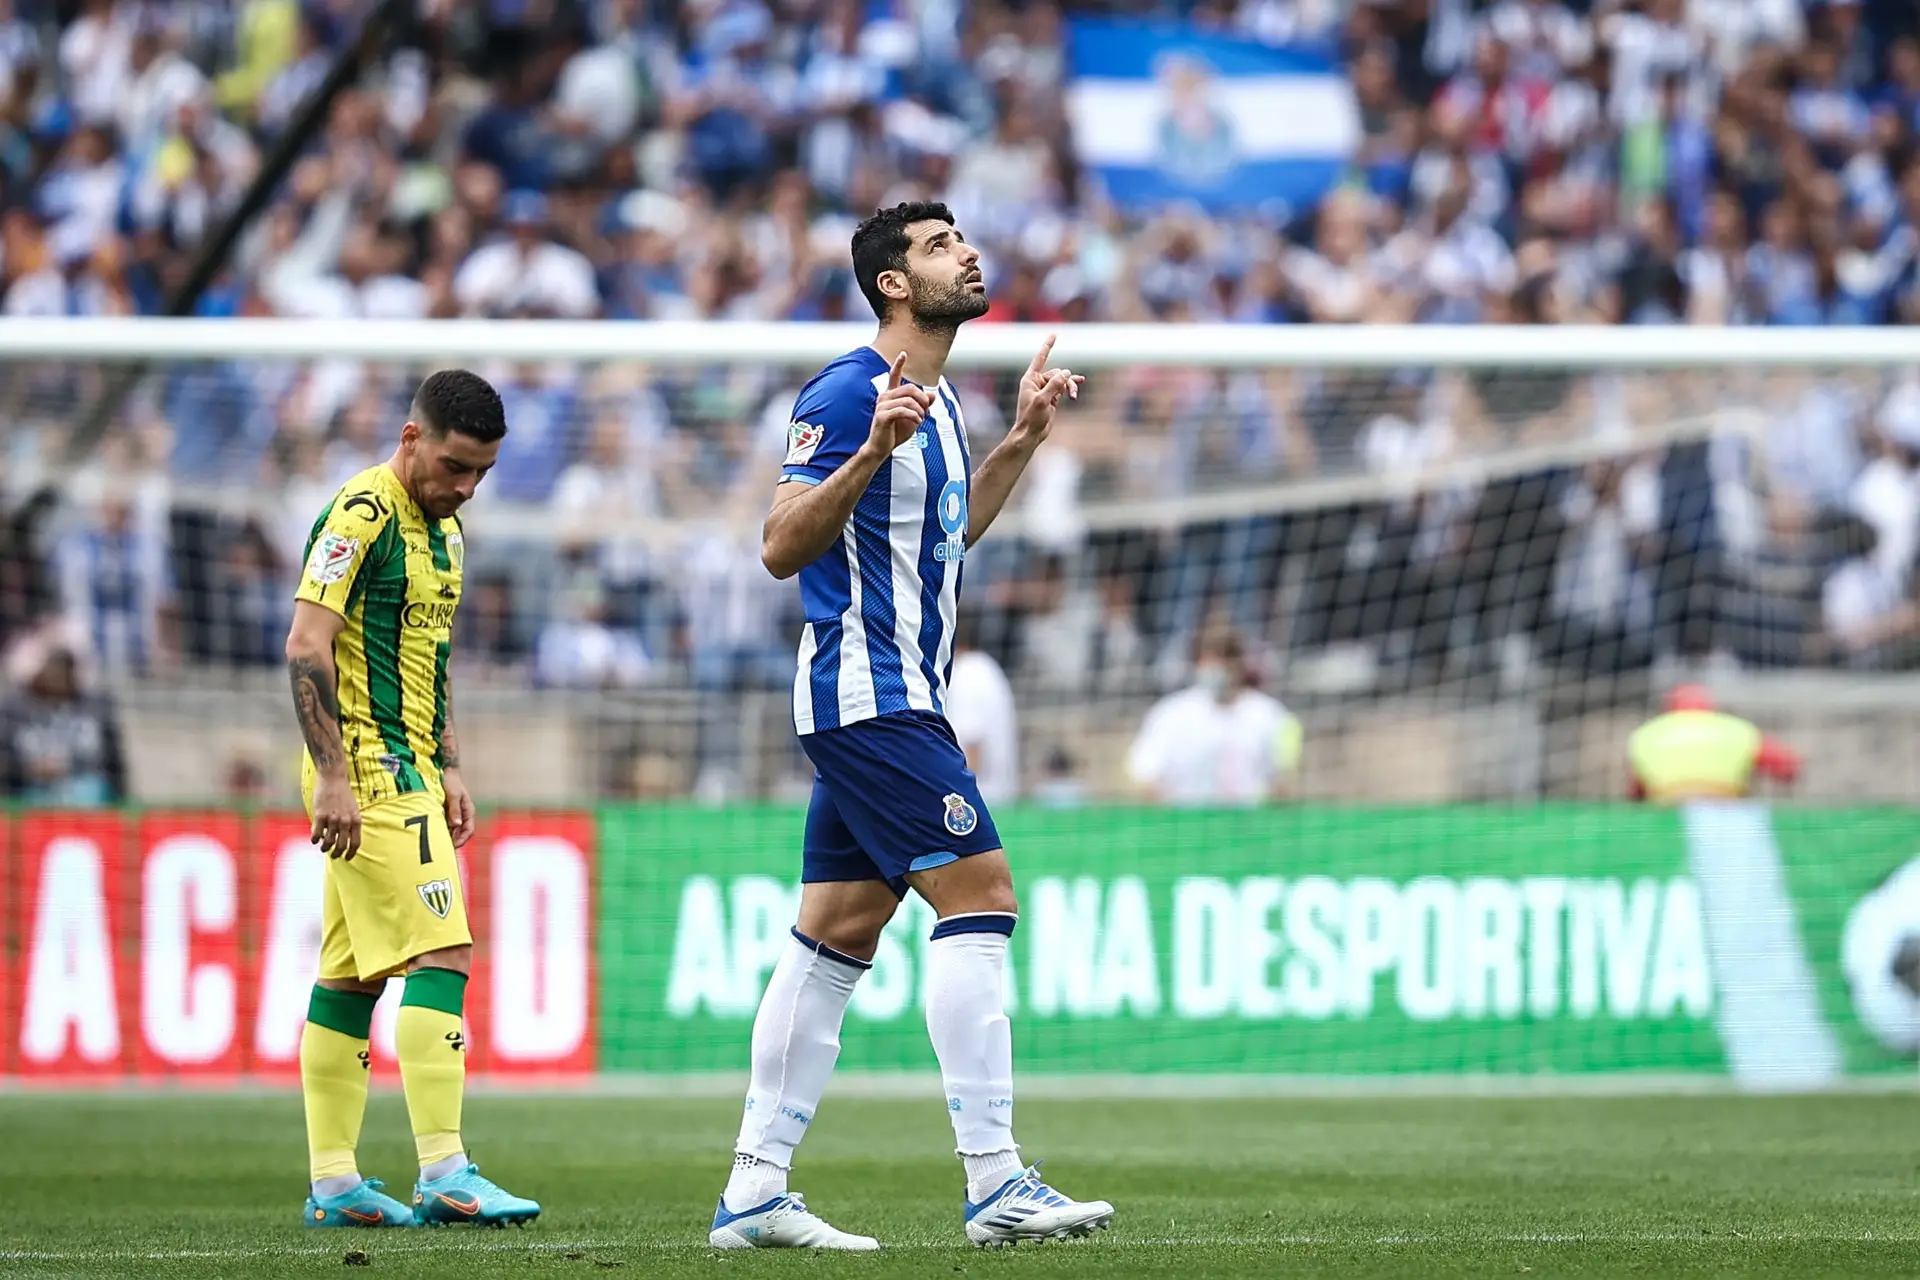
[1468, 561]
[1620, 348]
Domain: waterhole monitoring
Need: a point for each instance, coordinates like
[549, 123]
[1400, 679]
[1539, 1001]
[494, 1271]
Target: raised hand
[898, 413]
[1041, 390]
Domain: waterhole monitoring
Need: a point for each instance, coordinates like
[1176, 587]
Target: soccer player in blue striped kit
[876, 507]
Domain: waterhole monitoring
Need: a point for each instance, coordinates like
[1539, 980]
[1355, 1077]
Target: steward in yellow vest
[1694, 752]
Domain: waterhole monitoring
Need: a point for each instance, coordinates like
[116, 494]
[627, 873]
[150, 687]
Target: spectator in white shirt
[598, 94]
[1886, 494]
[578, 649]
[1004, 179]
[1603, 590]
[161, 82]
[19, 46]
[600, 500]
[85, 185]
[1221, 741]
[292, 83]
[735, 633]
[113, 570]
[1648, 46]
[367, 282]
[1465, 268]
[1336, 282]
[1861, 603]
[59, 289]
[95, 53]
[1543, 37]
[1734, 29]
[527, 271]
[980, 709]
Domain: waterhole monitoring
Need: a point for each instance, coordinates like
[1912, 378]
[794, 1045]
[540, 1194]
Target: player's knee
[857, 935]
[458, 959]
[970, 886]
[847, 916]
[354, 985]
[994, 898]
[859, 931]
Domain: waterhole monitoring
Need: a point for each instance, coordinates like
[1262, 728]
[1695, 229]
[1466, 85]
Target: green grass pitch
[205, 1186]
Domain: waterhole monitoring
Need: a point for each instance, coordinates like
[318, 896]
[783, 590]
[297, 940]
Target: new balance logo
[458, 1041]
[367, 505]
[953, 1104]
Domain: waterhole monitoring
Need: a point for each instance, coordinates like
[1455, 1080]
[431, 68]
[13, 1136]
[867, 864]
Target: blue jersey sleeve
[831, 420]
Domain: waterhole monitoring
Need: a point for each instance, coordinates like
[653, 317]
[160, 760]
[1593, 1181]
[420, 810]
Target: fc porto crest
[961, 817]
[438, 895]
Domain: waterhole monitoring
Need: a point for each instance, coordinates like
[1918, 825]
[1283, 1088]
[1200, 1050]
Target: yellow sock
[432, 1047]
[333, 1077]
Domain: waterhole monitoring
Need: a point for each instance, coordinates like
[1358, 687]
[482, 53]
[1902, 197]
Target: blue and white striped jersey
[880, 605]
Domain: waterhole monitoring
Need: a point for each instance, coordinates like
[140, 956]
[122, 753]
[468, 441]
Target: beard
[945, 304]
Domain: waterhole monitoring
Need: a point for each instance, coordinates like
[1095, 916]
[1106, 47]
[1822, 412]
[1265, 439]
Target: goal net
[1299, 673]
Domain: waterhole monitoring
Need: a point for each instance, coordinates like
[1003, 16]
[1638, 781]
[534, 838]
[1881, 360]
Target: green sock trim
[441, 989]
[348, 1012]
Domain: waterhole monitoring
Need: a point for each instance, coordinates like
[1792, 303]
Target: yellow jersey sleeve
[351, 533]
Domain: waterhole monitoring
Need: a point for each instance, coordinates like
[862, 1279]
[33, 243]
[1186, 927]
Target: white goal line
[1091, 1087]
[414, 1245]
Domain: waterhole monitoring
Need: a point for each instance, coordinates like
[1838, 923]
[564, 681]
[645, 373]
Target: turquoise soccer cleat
[363, 1206]
[466, 1197]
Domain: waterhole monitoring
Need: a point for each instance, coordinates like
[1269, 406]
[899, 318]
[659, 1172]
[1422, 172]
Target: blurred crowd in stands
[1521, 161]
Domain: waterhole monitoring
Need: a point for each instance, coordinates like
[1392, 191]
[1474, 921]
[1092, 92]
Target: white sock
[442, 1167]
[987, 1174]
[967, 1021]
[753, 1181]
[796, 1041]
[338, 1184]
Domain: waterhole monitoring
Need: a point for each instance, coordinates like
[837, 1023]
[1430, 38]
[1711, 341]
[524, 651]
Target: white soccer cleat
[1028, 1209]
[783, 1222]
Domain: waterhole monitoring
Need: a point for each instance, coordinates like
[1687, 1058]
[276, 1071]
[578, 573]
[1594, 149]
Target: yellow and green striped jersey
[375, 559]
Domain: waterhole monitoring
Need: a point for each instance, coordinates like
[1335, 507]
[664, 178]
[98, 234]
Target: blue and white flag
[1163, 112]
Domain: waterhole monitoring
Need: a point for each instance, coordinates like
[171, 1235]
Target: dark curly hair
[461, 401]
[880, 244]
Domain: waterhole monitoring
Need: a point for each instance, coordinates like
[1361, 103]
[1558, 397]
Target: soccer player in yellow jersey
[372, 623]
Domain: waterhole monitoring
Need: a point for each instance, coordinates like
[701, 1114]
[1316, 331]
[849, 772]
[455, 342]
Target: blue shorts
[891, 795]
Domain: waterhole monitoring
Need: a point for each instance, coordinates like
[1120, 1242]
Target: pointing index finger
[898, 367]
[1040, 357]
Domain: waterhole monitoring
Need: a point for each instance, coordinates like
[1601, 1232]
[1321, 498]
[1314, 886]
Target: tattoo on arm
[317, 707]
[449, 744]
